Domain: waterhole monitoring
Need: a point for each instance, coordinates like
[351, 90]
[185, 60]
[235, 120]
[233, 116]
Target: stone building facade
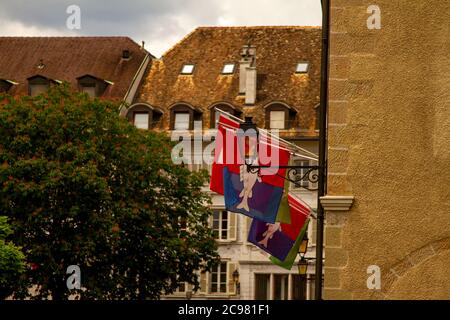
[388, 188]
[269, 73]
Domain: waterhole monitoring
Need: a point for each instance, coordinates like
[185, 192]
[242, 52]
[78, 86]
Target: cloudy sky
[160, 23]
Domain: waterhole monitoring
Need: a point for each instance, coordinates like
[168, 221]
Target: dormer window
[182, 117]
[91, 85]
[187, 69]
[279, 116]
[143, 116]
[215, 114]
[5, 85]
[228, 68]
[38, 85]
[302, 67]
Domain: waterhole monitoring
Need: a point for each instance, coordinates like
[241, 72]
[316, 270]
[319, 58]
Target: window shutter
[203, 282]
[232, 226]
[247, 224]
[312, 232]
[231, 285]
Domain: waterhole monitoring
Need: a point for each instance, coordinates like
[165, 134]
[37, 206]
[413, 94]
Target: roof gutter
[134, 86]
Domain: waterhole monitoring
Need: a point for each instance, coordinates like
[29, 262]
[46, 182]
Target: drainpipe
[322, 147]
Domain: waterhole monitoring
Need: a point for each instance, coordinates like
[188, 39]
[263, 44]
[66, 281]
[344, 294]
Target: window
[182, 121]
[298, 287]
[90, 90]
[91, 85]
[217, 117]
[143, 115]
[279, 116]
[224, 225]
[228, 68]
[5, 85]
[37, 85]
[301, 173]
[181, 288]
[187, 69]
[220, 225]
[183, 116]
[141, 120]
[281, 287]
[37, 89]
[262, 286]
[302, 67]
[277, 119]
[219, 278]
[215, 114]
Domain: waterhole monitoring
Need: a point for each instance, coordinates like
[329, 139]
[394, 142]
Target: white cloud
[160, 23]
[19, 29]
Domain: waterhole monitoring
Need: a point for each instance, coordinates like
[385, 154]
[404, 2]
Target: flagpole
[272, 135]
[322, 148]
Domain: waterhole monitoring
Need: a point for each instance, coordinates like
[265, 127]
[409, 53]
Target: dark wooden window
[182, 116]
[280, 286]
[5, 86]
[93, 86]
[216, 114]
[37, 85]
[262, 286]
[298, 287]
[141, 116]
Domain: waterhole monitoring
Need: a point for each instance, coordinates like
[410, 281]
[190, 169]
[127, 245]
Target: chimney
[247, 74]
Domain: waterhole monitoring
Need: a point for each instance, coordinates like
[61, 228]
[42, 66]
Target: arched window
[143, 116]
[279, 116]
[214, 113]
[183, 115]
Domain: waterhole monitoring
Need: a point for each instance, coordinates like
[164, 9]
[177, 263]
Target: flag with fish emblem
[257, 193]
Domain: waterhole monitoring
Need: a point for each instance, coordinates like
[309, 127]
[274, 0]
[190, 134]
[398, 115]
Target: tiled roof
[278, 50]
[67, 58]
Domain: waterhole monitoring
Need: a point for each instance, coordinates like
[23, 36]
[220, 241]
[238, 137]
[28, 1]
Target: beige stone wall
[389, 147]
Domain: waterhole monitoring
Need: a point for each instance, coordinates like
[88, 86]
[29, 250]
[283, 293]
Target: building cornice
[337, 203]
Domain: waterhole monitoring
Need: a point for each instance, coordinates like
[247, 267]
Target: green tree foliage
[11, 261]
[82, 186]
